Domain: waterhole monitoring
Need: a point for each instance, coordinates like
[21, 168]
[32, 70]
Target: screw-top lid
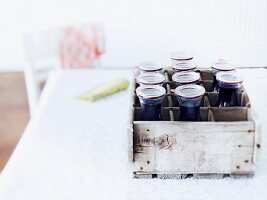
[229, 78]
[150, 91]
[181, 55]
[185, 77]
[184, 66]
[150, 66]
[222, 65]
[190, 91]
[151, 78]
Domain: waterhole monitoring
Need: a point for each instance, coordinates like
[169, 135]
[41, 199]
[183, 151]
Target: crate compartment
[168, 74]
[213, 97]
[206, 75]
[204, 113]
[164, 114]
[174, 101]
[207, 85]
[230, 114]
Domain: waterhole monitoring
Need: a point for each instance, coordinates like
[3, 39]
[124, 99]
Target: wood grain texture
[14, 114]
[184, 147]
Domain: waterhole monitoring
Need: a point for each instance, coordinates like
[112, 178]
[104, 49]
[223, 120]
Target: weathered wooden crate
[226, 143]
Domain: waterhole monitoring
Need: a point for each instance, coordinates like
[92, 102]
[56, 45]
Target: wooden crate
[226, 143]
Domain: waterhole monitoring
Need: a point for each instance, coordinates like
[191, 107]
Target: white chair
[47, 50]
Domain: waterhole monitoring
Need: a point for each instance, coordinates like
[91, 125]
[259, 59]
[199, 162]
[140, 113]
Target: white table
[78, 150]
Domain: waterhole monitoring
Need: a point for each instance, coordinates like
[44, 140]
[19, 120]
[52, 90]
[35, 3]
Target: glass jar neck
[190, 113]
[189, 102]
[151, 101]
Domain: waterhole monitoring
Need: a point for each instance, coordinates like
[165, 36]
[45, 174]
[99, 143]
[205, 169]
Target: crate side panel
[258, 134]
[178, 149]
[144, 161]
[242, 162]
[230, 113]
[197, 126]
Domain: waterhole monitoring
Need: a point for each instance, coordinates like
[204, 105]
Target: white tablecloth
[78, 150]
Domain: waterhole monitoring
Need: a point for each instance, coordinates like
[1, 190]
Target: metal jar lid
[222, 65]
[149, 66]
[229, 78]
[185, 77]
[190, 91]
[181, 55]
[151, 78]
[150, 91]
[184, 66]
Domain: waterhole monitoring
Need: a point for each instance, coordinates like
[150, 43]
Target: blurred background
[137, 30]
[133, 31]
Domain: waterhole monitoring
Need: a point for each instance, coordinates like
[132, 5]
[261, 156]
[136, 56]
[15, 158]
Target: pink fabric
[80, 46]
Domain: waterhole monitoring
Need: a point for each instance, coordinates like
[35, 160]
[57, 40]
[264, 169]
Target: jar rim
[184, 66]
[150, 91]
[222, 65]
[186, 77]
[151, 78]
[229, 77]
[181, 55]
[190, 91]
[150, 66]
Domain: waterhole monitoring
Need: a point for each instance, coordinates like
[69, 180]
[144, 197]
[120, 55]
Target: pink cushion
[81, 45]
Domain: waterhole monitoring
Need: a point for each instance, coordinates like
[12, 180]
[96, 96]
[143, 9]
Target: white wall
[146, 29]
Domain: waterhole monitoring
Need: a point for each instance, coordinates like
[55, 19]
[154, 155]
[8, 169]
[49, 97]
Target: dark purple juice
[150, 97]
[189, 98]
[190, 113]
[150, 112]
[220, 65]
[229, 97]
[229, 89]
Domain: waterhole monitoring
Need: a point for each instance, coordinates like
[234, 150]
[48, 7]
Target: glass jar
[150, 66]
[182, 61]
[219, 66]
[229, 89]
[183, 78]
[151, 79]
[150, 97]
[190, 98]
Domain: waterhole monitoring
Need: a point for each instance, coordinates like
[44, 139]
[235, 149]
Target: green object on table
[104, 90]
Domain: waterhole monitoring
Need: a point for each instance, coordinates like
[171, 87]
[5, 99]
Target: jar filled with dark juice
[182, 61]
[151, 79]
[187, 77]
[150, 97]
[229, 89]
[189, 98]
[220, 65]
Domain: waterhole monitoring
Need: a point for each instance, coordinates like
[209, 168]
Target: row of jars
[226, 81]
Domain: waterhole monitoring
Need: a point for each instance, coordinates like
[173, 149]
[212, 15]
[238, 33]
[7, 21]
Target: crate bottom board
[194, 175]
